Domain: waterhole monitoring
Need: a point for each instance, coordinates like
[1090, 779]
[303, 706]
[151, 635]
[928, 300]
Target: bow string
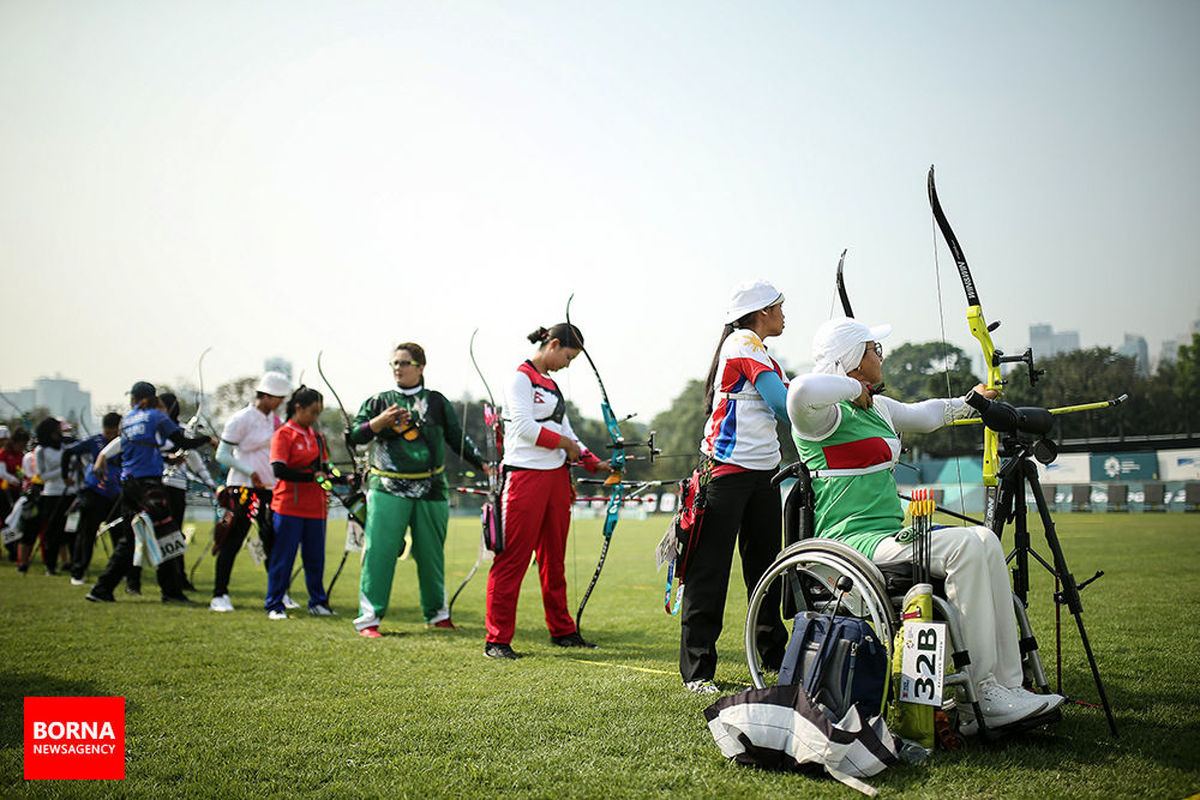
[992, 357]
[614, 482]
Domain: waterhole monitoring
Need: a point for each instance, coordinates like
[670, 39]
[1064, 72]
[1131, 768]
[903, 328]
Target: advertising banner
[1114, 467]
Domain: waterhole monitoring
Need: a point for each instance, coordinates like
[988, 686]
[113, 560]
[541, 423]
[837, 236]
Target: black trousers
[243, 503]
[94, 510]
[137, 495]
[8, 497]
[177, 503]
[742, 508]
[52, 515]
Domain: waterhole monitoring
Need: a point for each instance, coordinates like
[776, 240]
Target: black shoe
[497, 650]
[99, 597]
[51, 572]
[23, 568]
[133, 590]
[182, 599]
[188, 587]
[571, 640]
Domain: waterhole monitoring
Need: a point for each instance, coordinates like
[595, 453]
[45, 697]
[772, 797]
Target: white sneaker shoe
[1051, 700]
[701, 687]
[322, 611]
[77, 581]
[288, 602]
[1002, 706]
[221, 603]
[277, 615]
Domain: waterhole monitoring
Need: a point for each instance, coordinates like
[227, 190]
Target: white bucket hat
[275, 384]
[750, 296]
[840, 343]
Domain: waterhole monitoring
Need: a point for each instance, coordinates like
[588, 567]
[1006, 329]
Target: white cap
[275, 384]
[4, 434]
[750, 296]
[840, 343]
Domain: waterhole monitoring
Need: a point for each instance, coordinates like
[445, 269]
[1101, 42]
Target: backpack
[839, 662]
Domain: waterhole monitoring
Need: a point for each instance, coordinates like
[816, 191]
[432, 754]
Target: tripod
[1014, 475]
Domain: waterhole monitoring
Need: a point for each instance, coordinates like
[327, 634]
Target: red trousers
[536, 511]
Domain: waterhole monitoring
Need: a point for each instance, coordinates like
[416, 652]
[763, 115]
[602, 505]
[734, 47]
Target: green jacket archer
[413, 467]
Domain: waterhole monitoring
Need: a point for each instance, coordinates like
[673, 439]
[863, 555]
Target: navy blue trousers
[307, 536]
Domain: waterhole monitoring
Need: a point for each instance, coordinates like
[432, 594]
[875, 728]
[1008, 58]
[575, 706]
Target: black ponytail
[710, 390]
[303, 396]
[567, 335]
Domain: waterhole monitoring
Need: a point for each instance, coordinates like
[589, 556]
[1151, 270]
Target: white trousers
[972, 562]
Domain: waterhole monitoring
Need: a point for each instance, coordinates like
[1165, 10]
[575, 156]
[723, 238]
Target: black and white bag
[780, 728]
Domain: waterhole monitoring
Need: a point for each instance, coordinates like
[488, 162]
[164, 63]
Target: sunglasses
[405, 364]
[878, 349]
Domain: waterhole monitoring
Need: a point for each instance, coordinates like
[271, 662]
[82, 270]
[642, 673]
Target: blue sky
[277, 178]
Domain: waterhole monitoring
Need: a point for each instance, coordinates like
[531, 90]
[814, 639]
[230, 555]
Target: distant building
[1046, 342]
[1170, 351]
[278, 364]
[1136, 348]
[61, 397]
[1170, 347]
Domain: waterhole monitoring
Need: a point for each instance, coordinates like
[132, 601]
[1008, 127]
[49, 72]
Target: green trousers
[388, 517]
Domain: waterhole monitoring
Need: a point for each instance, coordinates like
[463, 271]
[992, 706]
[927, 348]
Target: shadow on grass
[15, 687]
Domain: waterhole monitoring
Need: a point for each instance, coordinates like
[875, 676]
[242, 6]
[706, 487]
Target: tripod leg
[1069, 595]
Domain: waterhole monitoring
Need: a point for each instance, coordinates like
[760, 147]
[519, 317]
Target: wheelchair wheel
[809, 571]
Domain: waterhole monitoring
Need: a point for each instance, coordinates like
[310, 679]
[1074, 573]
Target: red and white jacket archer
[534, 418]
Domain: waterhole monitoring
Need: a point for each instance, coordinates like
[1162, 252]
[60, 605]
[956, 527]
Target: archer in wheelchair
[844, 517]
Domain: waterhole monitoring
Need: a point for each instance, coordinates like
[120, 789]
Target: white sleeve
[112, 448]
[926, 416]
[520, 423]
[196, 465]
[812, 403]
[232, 432]
[569, 432]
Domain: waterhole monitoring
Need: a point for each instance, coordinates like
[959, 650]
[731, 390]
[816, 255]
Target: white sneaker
[77, 582]
[221, 603]
[701, 687]
[322, 611]
[277, 615]
[1051, 700]
[1002, 706]
[288, 602]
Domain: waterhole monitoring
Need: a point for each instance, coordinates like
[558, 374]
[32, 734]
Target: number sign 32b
[923, 668]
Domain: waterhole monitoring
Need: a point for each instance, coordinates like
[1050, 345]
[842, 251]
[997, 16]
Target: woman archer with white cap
[849, 436]
[745, 394]
[245, 449]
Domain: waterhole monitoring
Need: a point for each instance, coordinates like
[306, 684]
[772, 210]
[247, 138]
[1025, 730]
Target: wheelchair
[811, 569]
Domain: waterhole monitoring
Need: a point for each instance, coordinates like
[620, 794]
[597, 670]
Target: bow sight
[1025, 358]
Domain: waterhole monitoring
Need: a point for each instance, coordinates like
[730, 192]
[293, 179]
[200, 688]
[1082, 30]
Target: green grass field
[231, 705]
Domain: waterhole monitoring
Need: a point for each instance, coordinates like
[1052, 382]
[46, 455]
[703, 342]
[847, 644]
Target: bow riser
[991, 439]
